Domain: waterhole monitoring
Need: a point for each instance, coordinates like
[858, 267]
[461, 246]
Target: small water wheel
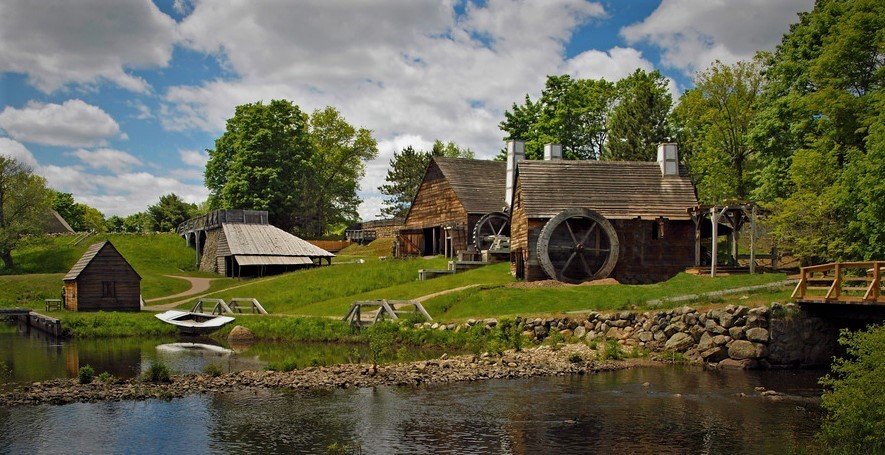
[492, 232]
[578, 245]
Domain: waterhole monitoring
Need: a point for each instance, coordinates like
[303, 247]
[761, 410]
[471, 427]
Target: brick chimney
[668, 158]
[515, 154]
[552, 152]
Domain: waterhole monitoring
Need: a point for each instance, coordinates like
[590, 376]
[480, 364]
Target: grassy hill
[41, 262]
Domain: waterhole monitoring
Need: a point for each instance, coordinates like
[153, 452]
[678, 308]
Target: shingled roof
[615, 189]
[90, 254]
[267, 240]
[478, 184]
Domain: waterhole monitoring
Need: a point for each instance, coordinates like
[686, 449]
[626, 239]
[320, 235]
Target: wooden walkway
[850, 283]
[377, 310]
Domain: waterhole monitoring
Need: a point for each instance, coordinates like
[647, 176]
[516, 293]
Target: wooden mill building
[454, 194]
[581, 220]
[102, 280]
[242, 243]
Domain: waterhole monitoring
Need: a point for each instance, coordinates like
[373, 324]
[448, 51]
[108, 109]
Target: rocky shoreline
[539, 361]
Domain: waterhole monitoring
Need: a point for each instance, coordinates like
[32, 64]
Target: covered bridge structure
[242, 243]
[454, 194]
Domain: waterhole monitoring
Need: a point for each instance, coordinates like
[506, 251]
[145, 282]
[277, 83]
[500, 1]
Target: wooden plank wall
[108, 265]
[436, 203]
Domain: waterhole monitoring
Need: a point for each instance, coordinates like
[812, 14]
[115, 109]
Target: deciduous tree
[638, 122]
[24, 203]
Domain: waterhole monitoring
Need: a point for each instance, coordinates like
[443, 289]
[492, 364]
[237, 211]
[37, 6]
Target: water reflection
[682, 410]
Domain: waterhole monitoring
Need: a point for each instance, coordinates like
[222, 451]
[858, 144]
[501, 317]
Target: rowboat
[194, 323]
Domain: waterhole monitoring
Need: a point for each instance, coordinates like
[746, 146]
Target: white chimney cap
[552, 152]
[668, 158]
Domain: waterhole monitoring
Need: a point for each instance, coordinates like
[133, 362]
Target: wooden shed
[454, 194]
[576, 221]
[241, 243]
[102, 280]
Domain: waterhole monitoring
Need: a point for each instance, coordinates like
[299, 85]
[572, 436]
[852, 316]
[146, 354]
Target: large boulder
[679, 342]
[714, 354]
[757, 334]
[580, 332]
[240, 334]
[743, 349]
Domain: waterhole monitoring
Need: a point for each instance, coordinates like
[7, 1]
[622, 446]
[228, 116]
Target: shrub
[105, 377]
[854, 402]
[381, 337]
[612, 351]
[85, 374]
[511, 334]
[213, 369]
[575, 358]
[157, 372]
[285, 365]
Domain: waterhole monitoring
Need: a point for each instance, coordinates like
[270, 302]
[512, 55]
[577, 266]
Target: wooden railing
[859, 282]
[215, 218]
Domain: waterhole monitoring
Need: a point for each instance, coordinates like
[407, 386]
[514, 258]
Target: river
[668, 409]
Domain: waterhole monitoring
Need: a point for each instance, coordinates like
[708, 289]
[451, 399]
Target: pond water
[28, 356]
[681, 410]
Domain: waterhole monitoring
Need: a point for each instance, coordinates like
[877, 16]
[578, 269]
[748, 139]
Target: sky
[116, 101]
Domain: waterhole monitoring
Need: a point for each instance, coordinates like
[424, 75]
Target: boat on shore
[194, 323]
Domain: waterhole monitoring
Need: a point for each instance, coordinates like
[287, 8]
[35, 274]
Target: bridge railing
[215, 218]
[859, 282]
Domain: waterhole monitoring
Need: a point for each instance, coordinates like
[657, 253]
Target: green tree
[855, 404]
[93, 219]
[711, 124]
[261, 162]
[115, 224]
[638, 122]
[571, 112]
[406, 171]
[24, 202]
[139, 222]
[169, 212]
[817, 132]
[336, 166]
[304, 170]
[69, 209]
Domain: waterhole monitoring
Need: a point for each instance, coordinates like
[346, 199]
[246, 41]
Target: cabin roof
[268, 240]
[615, 189]
[91, 253]
[56, 224]
[478, 184]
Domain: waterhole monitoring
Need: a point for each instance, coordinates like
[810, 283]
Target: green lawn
[290, 293]
[502, 301]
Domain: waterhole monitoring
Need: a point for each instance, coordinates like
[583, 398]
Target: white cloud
[394, 66]
[613, 65]
[12, 149]
[73, 123]
[195, 158]
[142, 111]
[84, 42]
[104, 158]
[694, 33]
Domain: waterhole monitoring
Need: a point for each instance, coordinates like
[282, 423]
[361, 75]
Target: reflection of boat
[199, 348]
[194, 323]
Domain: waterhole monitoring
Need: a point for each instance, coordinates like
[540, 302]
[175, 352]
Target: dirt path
[198, 285]
[427, 297]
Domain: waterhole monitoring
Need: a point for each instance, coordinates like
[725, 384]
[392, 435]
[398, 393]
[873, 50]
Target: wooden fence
[849, 282]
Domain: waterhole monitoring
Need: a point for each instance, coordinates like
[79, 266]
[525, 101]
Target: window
[108, 289]
[657, 229]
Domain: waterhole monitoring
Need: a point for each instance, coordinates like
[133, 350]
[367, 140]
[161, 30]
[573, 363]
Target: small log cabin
[102, 280]
[454, 194]
[638, 220]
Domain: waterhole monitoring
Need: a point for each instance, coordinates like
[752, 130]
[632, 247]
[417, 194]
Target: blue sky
[116, 100]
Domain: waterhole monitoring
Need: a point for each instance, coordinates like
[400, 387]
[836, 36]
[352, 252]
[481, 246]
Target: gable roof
[267, 240]
[56, 224]
[478, 184]
[91, 253]
[615, 189]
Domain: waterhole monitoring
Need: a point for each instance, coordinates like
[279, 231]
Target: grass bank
[501, 301]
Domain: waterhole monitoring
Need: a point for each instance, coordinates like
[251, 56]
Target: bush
[612, 351]
[575, 358]
[854, 401]
[511, 334]
[381, 337]
[105, 377]
[213, 369]
[157, 372]
[85, 374]
[284, 366]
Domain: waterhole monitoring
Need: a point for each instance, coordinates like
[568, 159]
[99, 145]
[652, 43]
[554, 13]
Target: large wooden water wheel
[492, 232]
[578, 245]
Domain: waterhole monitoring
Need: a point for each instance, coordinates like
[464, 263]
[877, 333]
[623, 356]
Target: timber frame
[734, 217]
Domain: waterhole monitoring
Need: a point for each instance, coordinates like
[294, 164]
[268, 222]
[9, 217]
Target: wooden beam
[753, 239]
[835, 289]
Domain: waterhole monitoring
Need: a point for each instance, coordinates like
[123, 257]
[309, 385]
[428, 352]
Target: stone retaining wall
[735, 336]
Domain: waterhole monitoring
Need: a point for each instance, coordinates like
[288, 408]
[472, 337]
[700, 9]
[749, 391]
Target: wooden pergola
[735, 217]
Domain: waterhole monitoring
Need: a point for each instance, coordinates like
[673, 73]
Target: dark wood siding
[436, 203]
[107, 283]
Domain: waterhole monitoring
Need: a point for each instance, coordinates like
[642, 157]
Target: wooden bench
[53, 304]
